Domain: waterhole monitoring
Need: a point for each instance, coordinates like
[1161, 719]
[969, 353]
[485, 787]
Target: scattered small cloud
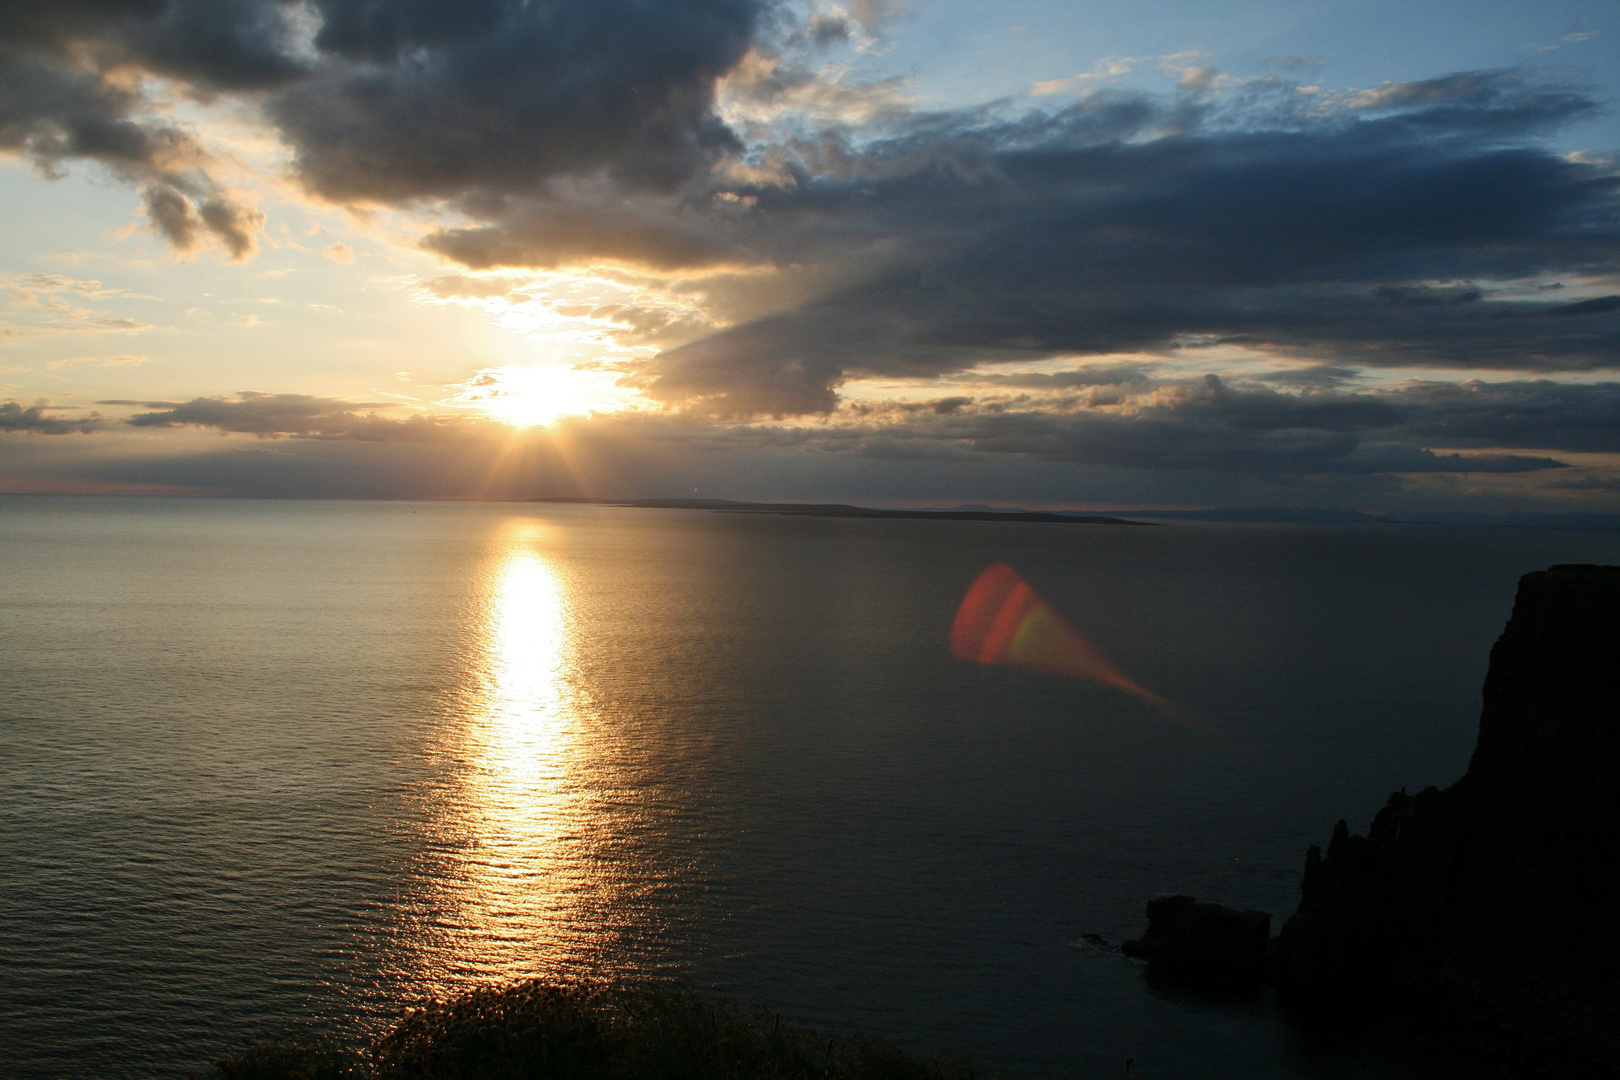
[39, 420]
[41, 301]
[1573, 38]
[220, 218]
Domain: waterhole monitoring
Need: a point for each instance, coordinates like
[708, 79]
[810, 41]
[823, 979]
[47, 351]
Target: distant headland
[843, 510]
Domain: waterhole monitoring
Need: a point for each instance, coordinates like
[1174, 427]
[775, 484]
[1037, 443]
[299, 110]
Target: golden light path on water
[519, 823]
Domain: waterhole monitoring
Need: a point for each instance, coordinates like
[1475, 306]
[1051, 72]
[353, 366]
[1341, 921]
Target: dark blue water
[272, 763]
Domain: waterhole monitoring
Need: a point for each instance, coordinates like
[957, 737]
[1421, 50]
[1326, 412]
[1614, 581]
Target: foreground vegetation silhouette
[590, 1031]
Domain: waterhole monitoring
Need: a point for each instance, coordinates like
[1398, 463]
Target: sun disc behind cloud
[531, 396]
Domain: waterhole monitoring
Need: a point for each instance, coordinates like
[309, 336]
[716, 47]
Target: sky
[1358, 254]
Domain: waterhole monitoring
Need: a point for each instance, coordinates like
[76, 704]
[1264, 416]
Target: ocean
[267, 765]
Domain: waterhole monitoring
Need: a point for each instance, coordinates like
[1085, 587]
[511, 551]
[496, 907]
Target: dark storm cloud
[56, 107]
[1354, 231]
[224, 44]
[52, 113]
[1539, 414]
[384, 101]
[439, 99]
[34, 419]
[1601, 305]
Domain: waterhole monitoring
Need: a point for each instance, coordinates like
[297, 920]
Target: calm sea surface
[274, 763]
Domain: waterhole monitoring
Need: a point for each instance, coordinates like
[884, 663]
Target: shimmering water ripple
[271, 763]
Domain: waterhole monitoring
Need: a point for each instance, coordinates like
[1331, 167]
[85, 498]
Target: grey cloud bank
[1145, 423]
[1331, 446]
[302, 416]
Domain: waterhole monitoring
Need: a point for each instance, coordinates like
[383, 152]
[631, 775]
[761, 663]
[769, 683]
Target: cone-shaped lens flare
[1003, 621]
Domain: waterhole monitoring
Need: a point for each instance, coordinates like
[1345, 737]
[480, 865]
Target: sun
[539, 396]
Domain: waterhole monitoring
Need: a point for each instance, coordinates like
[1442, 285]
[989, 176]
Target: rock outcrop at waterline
[1499, 897]
[1189, 940]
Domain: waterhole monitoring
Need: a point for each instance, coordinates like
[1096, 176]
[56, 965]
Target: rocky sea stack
[1202, 943]
[1495, 904]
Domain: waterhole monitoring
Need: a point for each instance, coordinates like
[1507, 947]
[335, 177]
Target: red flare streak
[1003, 621]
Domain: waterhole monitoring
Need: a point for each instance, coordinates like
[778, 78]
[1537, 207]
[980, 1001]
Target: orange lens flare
[1003, 621]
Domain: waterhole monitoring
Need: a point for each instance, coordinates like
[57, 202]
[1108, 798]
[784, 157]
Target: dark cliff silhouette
[1495, 904]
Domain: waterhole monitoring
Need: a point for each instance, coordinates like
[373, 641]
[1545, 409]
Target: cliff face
[1504, 889]
[1543, 788]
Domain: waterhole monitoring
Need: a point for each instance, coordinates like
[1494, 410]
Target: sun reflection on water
[519, 817]
[529, 706]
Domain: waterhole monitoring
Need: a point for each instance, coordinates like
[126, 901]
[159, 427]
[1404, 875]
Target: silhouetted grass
[292, 1060]
[591, 1031]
